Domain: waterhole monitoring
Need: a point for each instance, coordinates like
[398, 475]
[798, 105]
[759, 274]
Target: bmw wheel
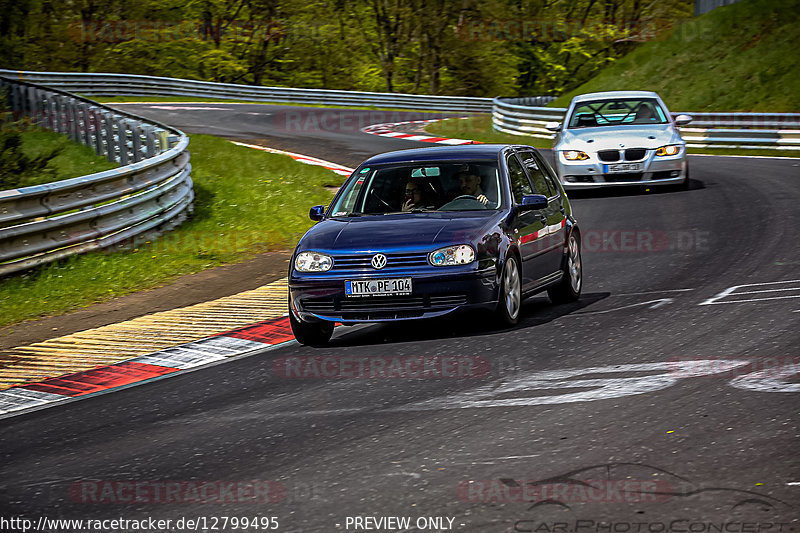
[311, 333]
[509, 302]
[569, 288]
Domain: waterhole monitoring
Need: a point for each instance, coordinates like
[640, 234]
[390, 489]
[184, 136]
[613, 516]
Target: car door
[528, 227]
[555, 214]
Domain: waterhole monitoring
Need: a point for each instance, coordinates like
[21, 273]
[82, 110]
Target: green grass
[73, 160]
[742, 57]
[479, 128]
[247, 201]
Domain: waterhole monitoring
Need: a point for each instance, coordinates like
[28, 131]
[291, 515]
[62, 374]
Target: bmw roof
[439, 153]
[614, 94]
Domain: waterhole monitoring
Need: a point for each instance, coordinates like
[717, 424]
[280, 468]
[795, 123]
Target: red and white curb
[386, 130]
[307, 159]
[168, 362]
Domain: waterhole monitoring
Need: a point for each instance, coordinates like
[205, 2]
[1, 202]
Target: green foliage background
[454, 47]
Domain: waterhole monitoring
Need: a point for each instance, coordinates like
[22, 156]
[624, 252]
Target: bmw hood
[615, 137]
[379, 233]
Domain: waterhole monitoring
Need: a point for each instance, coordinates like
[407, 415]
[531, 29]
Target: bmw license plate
[622, 167]
[378, 287]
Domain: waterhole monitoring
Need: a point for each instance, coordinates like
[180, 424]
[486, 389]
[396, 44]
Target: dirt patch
[186, 290]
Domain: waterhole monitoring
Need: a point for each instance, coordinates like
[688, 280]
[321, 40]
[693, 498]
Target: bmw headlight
[670, 149]
[452, 255]
[313, 262]
[575, 155]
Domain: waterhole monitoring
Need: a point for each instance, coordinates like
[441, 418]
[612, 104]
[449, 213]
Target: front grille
[609, 156]
[579, 179]
[376, 307]
[363, 262]
[635, 154]
[630, 176]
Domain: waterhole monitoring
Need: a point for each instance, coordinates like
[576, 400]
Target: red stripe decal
[100, 378]
[271, 331]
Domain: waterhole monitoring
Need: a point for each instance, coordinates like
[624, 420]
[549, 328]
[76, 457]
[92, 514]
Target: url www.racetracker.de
[200, 523]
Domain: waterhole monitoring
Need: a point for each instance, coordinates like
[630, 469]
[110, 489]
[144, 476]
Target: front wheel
[310, 333]
[569, 288]
[510, 301]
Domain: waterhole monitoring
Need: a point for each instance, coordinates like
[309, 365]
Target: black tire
[509, 300]
[311, 333]
[569, 288]
[686, 184]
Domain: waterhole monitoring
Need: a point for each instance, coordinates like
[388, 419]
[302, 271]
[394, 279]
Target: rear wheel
[569, 288]
[510, 301]
[311, 333]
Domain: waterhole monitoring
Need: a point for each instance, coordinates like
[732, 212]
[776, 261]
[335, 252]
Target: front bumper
[589, 174]
[315, 298]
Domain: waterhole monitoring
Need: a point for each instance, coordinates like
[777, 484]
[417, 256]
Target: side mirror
[316, 213]
[532, 202]
[553, 126]
[682, 120]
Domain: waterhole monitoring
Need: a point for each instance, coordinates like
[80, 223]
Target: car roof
[614, 94]
[439, 153]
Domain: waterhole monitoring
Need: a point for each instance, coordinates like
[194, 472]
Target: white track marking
[769, 380]
[656, 304]
[517, 392]
[731, 291]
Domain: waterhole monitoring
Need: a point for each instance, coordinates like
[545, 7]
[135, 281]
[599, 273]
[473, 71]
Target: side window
[537, 174]
[520, 186]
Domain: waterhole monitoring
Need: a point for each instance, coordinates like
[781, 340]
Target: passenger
[470, 183]
[414, 197]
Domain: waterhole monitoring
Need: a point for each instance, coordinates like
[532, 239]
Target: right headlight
[462, 254]
[670, 149]
[575, 155]
[313, 262]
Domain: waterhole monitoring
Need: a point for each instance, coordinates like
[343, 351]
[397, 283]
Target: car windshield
[617, 112]
[420, 187]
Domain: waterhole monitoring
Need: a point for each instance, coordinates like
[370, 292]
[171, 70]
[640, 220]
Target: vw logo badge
[378, 261]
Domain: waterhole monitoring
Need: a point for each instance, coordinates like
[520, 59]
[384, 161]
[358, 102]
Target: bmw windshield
[420, 187]
[617, 112]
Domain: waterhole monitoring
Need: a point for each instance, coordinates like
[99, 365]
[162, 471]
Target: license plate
[377, 287]
[622, 167]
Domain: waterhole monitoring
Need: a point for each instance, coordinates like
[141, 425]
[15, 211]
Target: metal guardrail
[775, 131]
[149, 194]
[92, 84]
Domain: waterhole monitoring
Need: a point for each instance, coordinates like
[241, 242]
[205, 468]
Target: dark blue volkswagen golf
[422, 233]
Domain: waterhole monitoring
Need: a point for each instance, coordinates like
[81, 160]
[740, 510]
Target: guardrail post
[122, 139]
[136, 140]
[108, 136]
[149, 141]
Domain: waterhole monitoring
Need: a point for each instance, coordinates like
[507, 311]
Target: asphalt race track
[666, 399]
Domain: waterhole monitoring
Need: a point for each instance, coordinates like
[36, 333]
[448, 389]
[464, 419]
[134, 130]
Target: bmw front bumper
[592, 173]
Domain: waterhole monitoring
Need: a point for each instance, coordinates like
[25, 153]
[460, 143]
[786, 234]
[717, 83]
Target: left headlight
[575, 155]
[670, 149]
[313, 262]
[452, 255]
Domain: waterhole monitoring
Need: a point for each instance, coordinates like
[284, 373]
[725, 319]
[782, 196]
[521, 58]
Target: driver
[470, 183]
